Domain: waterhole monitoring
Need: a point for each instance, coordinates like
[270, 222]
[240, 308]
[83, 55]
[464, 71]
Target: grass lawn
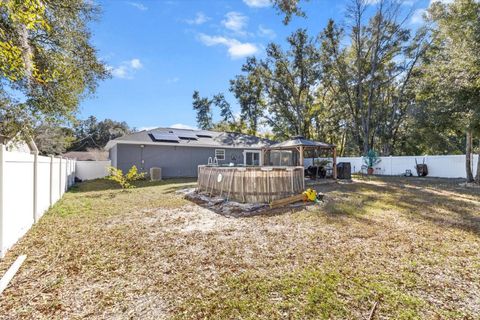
[410, 245]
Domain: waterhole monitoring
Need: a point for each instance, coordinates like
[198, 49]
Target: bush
[371, 159]
[124, 179]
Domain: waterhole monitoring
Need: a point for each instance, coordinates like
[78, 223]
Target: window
[220, 154]
[252, 158]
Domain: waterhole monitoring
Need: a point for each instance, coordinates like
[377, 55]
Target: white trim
[111, 143]
[224, 154]
[252, 151]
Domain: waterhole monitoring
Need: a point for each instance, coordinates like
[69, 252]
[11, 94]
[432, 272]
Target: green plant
[371, 159]
[124, 179]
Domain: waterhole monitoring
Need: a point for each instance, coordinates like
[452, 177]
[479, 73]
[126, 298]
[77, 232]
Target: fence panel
[29, 185]
[88, 170]
[43, 185]
[18, 174]
[440, 166]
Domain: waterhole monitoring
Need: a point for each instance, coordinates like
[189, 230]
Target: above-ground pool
[251, 184]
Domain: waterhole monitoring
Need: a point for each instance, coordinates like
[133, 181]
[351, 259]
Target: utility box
[155, 174]
[344, 170]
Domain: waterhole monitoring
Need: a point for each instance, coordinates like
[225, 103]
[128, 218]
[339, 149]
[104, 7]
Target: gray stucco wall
[175, 161]
[113, 155]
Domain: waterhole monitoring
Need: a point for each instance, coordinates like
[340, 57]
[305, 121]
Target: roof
[300, 142]
[93, 155]
[191, 138]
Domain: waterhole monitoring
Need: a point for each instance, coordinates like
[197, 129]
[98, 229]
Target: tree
[92, 134]
[289, 8]
[248, 90]
[451, 70]
[203, 107]
[52, 139]
[289, 80]
[47, 64]
[371, 77]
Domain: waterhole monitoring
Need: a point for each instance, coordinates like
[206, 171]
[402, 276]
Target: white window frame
[260, 158]
[220, 151]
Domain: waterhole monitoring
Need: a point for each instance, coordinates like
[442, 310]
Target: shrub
[124, 179]
[371, 159]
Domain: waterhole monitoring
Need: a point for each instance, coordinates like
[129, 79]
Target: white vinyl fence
[29, 185]
[88, 170]
[448, 166]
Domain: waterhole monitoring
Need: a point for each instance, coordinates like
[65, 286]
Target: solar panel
[164, 136]
[204, 134]
[186, 135]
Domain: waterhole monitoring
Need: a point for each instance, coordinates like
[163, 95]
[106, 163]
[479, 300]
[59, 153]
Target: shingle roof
[214, 139]
[95, 155]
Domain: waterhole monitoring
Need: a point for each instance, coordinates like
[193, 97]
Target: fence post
[391, 165]
[35, 186]
[66, 176]
[2, 206]
[2, 166]
[60, 177]
[51, 180]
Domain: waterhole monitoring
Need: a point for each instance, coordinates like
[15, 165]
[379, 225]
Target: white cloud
[200, 18]
[417, 16]
[119, 72]
[146, 128]
[138, 5]
[258, 3]
[181, 126]
[266, 32]
[236, 49]
[136, 64]
[371, 2]
[235, 21]
[126, 69]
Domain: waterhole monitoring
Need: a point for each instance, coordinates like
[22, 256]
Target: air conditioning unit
[155, 174]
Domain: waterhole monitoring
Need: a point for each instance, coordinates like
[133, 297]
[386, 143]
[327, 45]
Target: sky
[159, 52]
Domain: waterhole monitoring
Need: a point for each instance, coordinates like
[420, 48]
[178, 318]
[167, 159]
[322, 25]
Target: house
[18, 144]
[179, 152]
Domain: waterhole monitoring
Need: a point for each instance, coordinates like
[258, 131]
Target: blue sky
[159, 52]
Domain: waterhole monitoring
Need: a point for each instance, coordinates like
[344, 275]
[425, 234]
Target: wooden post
[335, 163]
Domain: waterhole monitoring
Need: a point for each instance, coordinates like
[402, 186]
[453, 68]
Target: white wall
[448, 166]
[29, 185]
[88, 170]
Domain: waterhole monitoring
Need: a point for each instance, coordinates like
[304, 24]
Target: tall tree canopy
[47, 64]
[290, 79]
[93, 134]
[449, 82]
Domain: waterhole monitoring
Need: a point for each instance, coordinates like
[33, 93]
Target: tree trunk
[477, 176]
[468, 156]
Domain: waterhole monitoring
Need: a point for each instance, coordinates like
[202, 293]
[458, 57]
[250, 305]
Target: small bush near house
[124, 180]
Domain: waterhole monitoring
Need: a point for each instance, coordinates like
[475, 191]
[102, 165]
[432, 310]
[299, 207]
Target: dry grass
[410, 244]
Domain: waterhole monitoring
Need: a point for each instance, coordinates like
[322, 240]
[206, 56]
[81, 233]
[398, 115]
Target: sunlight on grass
[312, 293]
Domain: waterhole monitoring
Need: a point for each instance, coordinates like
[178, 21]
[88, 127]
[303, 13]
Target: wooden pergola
[300, 145]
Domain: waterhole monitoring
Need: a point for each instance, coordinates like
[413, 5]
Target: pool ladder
[212, 162]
